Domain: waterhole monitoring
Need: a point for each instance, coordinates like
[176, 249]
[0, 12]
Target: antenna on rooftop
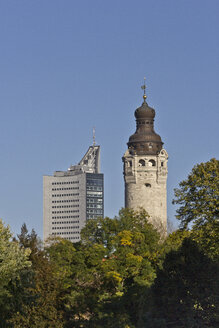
[94, 141]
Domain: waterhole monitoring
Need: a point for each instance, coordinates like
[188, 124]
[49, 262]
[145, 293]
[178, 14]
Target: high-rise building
[71, 197]
[145, 168]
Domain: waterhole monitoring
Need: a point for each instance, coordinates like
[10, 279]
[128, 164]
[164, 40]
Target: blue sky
[66, 66]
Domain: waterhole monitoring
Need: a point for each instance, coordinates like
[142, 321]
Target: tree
[12, 257]
[185, 292]
[207, 237]
[30, 241]
[105, 277]
[128, 267]
[13, 260]
[40, 311]
[198, 195]
[78, 272]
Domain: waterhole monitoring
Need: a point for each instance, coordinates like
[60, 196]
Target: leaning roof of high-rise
[90, 163]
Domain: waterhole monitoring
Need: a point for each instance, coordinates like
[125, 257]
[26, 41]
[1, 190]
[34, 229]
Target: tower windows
[141, 162]
[151, 162]
[147, 185]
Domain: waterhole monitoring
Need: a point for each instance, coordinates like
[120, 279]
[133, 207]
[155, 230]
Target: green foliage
[207, 237]
[12, 257]
[77, 270]
[30, 241]
[40, 311]
[107, 279]
[104, 277]
[122, 273]
[198, 196]
[174, 240]
[13, 261]
[185, 292]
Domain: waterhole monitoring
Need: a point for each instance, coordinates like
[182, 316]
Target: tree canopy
[185, 292]
[122, 273]
[113, 265]
[198, 195]
[12, 257]
[13, 261]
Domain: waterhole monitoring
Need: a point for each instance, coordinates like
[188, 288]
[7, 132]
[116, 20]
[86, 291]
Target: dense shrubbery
[121, 273]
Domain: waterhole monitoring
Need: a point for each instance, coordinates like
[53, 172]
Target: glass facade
[94, 196]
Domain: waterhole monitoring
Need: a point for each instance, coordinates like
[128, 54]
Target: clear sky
[66, 66]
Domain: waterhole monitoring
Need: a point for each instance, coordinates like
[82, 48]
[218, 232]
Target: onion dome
[145, 141]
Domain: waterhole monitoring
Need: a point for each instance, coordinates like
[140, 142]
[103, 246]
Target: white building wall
[64, 206]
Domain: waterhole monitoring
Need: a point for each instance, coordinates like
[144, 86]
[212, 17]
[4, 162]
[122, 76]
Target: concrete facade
[72, 197]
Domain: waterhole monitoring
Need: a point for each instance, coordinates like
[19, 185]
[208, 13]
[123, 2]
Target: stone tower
[145, 168]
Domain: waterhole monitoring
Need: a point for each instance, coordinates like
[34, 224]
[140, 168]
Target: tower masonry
[145, 168]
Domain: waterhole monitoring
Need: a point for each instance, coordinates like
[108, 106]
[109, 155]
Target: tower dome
[145, 140]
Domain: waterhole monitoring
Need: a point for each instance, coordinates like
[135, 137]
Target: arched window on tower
[129, 163]
[151, 162]
[141, 162]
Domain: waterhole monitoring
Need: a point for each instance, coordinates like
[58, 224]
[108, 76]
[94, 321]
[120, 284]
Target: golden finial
[144, 88]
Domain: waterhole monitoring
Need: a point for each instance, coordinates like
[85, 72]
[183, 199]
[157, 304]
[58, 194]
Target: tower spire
[145, 141]
[144, 88]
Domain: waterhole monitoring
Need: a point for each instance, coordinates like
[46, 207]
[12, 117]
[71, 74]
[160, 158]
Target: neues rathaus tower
[145, 168]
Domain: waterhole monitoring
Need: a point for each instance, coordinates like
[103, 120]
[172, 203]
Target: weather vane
[144, 88]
